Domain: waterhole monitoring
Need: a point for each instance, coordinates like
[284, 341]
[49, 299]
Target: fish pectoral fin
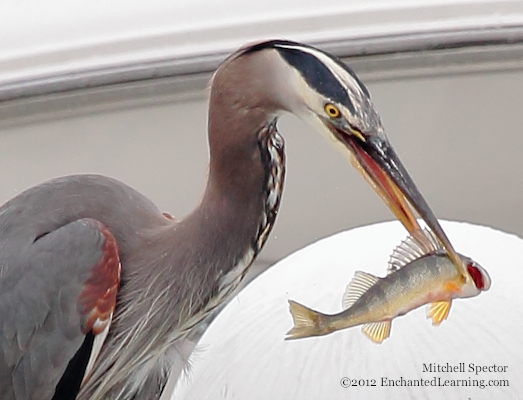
[453, 287]
[360, 283]
[377, 331]
[439, 311]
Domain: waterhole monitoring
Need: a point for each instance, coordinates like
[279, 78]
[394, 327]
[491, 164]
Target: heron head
[324, 91]
[267, 78]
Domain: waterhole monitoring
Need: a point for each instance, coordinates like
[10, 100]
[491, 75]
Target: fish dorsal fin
[413, 248]
[360, 283]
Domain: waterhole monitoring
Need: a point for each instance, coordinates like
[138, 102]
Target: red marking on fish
[98, 298]
[476, 275]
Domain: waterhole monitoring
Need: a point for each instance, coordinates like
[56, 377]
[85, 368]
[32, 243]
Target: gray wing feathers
[40, 321]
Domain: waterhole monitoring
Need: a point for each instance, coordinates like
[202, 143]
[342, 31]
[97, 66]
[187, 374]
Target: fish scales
[431, 278]
[398, 293]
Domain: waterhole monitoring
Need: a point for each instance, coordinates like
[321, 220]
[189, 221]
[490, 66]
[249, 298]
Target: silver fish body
[425, 280]
[417, 276]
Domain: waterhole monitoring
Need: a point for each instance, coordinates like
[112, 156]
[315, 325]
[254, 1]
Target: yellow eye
[331, 110]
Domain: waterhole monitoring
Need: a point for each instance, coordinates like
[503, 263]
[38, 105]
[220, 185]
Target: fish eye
[476, 275]
[332, 111]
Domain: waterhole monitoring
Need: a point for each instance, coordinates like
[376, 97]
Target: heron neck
[243, 190]
[234, 210]
[232, 206]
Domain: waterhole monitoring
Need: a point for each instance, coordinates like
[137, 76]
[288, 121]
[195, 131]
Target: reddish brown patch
[169, 216]
[476, 275]
[98, 299]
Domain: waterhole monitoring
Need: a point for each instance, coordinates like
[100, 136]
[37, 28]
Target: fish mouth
[378, 163]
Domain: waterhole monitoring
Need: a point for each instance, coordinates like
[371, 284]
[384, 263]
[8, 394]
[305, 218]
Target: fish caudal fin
[377, 331]
[438, 311]
[307, 322]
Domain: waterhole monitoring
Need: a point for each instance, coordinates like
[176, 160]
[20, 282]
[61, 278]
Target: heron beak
[378, 163]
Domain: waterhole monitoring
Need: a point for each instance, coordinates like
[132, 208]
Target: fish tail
[307, 322]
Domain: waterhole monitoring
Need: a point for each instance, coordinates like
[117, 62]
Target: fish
[419, 272]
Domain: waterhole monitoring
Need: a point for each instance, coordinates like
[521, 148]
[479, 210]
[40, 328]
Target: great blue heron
[99, 289]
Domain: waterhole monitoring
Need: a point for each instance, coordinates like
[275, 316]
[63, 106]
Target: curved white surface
[243, 355]
[45, 38]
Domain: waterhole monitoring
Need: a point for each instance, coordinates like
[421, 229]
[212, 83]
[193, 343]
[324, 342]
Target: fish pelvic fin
[439, 311]
[377, 331]
[307, 322]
